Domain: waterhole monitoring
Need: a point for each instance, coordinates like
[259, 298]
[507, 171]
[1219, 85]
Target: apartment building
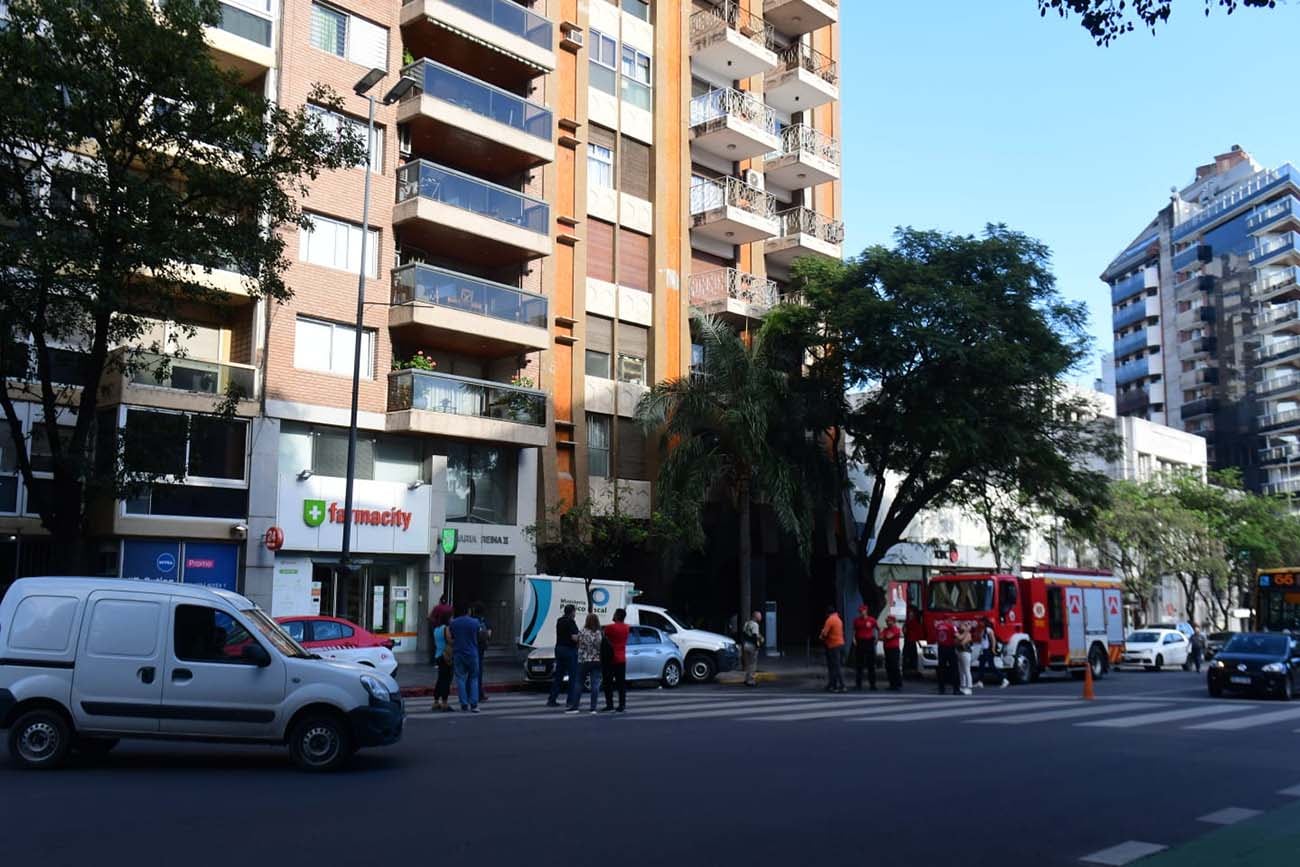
[557, 188]
[1205, 318]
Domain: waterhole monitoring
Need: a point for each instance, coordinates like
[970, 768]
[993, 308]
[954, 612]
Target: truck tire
[672, 674]
[320, 742]
[1098, 661]
[40, 739]
[1024, 669]
[701, 667]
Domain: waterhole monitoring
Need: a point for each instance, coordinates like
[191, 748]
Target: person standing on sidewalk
[945, 634]
[832, 635]
[892, 639]
[1198, 647]
[439, 615]
[443, 653]
[864, 646]
[589, 641]
[566, 660]
[616, 634]
[964, 642]
[484, 636]
[751, 639]
[465, 661]
[988, 653]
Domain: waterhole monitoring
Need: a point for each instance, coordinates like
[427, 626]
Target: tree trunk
[743, 556]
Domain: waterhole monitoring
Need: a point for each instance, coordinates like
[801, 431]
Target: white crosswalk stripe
[676, 706]
[1256, 718]
[833, 710]
[726, 711]
[1143, 719]
[1050, 715]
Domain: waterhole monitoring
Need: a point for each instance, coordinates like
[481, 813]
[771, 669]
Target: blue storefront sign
[209, 564]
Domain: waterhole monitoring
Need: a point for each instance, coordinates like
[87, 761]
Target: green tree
[734, 429]
[955, 348]
[130, 165]
[1107, 20]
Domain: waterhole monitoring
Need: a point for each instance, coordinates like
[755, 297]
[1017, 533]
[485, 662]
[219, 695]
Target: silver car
[651, 655]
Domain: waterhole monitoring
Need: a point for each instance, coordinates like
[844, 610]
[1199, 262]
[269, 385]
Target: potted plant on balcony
[418, 361]
[521, 407]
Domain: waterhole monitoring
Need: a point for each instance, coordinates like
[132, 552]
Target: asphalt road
[696, 776]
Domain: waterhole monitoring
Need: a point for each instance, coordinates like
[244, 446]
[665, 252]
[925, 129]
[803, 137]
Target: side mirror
[256, 654]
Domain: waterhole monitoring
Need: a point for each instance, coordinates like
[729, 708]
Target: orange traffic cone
[1088, 694]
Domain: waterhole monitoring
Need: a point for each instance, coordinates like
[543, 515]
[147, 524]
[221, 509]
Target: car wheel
[672, 674]
[320, 742]
[1023, 669]
[95, 747]
[40, 739]
[1288, 689]
[1215, 690]
[700, 667]
[1160, 661]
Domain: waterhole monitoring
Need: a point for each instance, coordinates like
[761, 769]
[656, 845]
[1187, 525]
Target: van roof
[86, 584]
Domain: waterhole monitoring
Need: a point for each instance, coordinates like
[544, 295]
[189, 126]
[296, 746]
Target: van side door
[211, 688]
[118, 679]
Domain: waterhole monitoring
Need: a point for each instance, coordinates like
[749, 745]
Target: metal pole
[345, 558]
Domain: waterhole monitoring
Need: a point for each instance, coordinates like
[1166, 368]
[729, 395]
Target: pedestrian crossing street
[993, 707]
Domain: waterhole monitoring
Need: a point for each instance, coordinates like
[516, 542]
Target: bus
[1277, 599]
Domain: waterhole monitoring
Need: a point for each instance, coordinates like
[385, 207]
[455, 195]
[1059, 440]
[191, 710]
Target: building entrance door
[364, 595]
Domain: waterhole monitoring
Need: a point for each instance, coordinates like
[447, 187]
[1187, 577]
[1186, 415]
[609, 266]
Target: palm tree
[733, 428]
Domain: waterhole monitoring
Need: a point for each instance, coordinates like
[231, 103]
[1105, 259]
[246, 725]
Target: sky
[959, 113]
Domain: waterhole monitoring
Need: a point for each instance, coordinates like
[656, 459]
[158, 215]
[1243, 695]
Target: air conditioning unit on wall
[754, 178]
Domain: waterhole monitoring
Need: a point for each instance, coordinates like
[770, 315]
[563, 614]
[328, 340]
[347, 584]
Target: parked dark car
[1263, 663]
[1214, 643]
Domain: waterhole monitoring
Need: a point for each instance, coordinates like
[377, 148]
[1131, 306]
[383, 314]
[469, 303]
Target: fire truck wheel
[1097, 659]
[1024, 670]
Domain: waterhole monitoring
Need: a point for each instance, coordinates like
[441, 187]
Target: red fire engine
[1048, 618]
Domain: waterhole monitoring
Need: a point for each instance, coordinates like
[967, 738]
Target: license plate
[1241, 680]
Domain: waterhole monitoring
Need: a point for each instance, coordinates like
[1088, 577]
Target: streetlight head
[369, 80]
[399, 90]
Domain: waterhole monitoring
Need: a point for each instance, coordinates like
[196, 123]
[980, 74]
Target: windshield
[1263, 645]
[1279, 608]
[273, 633]
[1144, 638]
[961, 596]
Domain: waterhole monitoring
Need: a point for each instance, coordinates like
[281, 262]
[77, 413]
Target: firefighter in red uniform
[892, 638]
[946, 638]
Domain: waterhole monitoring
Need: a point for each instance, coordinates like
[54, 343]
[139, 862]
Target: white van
[87, 661]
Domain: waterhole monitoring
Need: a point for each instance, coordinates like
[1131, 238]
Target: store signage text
[314, 513]
[484, 539]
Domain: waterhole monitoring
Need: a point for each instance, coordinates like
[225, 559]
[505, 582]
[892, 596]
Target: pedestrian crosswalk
[1018, 708]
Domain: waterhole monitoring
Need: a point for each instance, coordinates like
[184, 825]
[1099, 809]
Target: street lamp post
[396, 92]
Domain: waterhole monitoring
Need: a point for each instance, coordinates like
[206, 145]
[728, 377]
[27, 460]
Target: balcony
[454, 215]
[1280, 418]
[731, 42]
[1281, 249]
[733, 125]
[804, 232]
[1132, 402]
[1132, 370]
[487, 130]
[1287, 453]
[192, 384]
[1146, 278]
[733, 294]
[1139, 340]
[805, 79]
[729, 210]
[467, 314]
[1277, 317]
[797, 17]
[1275, 351]
[1204, 345]
[455, 406]
[242, 39]
[496, 40]
[1195, 253]
[1277, 385]
[807, 157]
[1274, 285]
[1146, 308]
[1199, 407]
[1275, 215]
[1282, 487]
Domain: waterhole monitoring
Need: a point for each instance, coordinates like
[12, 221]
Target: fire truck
[1045, 619]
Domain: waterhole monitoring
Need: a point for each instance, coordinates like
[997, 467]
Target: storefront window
[481, 484]
[324, 451]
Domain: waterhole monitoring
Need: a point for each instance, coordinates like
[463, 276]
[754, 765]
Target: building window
[637, 9]
[600, 166]
[631, 368]
[329, 347]
[345, 35]
[324, 451]
[340, 124]
[336, 244]
[636, 78]
[190, 447]
[603, 66]
[481, 484]
[598, 438]
[598, 364]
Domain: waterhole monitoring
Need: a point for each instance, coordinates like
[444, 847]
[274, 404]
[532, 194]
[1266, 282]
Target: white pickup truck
[541, 600]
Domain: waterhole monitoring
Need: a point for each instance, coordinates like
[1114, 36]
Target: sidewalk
[1268, 839]
[505, 674]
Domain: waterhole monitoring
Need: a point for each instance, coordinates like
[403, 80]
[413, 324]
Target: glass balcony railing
[1257, 185]
[1129, 315]
[1288, 452]
[1128, 287]
[193, 375]
[1271, 246]
[425, 284]
[1282, 486]
[1275, 211]
[738, 105]
[1130, 343]
[1282, 416]
[1132, 370]
[458, 395]
[510, 17]
[1195, 253]
[444, 83]
[1278, 313]
[1272, 282]
[255, 26]
[426, 180]
[1274, 384]
[1279, 348]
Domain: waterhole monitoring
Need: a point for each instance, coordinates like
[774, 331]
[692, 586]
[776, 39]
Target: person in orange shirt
[832, 635]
